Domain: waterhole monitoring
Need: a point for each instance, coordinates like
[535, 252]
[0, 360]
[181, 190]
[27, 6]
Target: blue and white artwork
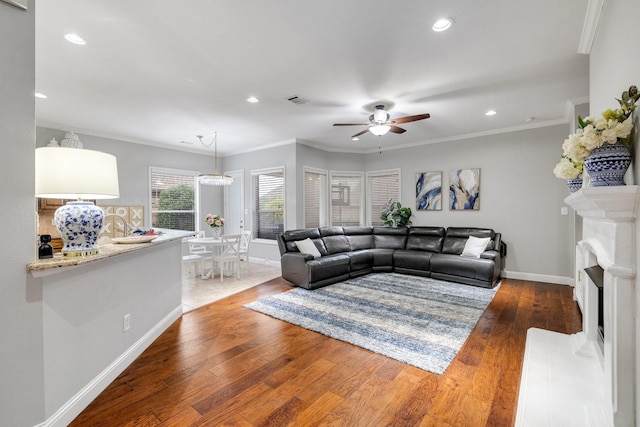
[464, 189]
[429, 191]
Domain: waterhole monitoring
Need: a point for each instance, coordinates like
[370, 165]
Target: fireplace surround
[573, 379]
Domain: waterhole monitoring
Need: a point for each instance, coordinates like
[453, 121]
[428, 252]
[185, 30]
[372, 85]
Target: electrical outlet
[126, 322]
[564, 210]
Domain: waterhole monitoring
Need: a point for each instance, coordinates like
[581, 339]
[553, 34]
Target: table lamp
[73, 173]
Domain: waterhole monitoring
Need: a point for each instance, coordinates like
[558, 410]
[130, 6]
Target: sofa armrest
[294, 267]
[492, 255]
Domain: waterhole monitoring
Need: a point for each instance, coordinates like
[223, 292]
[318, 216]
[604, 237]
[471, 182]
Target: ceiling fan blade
[396, 129]
[408, 119]
[360, 133]
[351, 124]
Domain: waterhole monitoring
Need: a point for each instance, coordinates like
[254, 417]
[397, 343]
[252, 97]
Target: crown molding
[590, 25]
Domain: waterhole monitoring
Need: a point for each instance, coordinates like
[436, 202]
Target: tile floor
[197, 292]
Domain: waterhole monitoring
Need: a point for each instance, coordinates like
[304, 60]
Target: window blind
[315, 198]
[382, 186]
[268, 203]
[346, 198]
[173, 199]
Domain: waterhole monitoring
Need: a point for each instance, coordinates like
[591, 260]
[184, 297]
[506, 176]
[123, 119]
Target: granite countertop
[107, 250]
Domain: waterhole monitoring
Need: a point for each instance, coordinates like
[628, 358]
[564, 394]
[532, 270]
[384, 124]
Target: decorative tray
[134, 239]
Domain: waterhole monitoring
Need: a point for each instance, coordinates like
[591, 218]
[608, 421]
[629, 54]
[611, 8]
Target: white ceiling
[162, 71]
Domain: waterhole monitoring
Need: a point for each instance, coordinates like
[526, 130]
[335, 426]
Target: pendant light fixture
[215, 178]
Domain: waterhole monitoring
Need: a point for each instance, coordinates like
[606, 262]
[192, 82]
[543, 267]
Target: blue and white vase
[79, 225]
[216, 232]
[574, 184]
[608, 164]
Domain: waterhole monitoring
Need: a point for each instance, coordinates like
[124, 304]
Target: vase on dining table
[216, 231]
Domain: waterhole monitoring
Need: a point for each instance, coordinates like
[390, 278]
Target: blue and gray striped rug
[420, 321]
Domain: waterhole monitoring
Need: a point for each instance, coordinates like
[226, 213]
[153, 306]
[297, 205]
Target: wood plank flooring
[224, 364]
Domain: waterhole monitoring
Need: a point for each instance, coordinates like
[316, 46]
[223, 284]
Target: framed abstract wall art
[464, 189]
[429, 191]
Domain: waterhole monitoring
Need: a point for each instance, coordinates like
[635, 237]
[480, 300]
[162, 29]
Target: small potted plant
[395, 215]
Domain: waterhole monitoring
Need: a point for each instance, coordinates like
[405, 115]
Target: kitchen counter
[44, 267]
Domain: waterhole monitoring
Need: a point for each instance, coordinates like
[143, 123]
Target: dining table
[214, 243]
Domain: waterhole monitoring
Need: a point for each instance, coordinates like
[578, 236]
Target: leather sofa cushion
[455, 265]
[361, 260]
[336, 244]
[389, 237]
[360, 242]
[425, 239]
[456, 237]
[359, 237]
[413, 260]
[291, 236]
[327, 267]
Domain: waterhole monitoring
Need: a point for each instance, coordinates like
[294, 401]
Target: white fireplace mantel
[606, 203]
[572, 379]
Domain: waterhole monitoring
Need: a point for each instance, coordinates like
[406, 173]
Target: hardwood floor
[224, 364]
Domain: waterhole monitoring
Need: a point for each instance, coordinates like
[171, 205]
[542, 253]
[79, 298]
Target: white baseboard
[534, 277]
[74, 406]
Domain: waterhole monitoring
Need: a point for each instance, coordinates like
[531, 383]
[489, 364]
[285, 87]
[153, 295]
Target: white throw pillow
[306, 246]
[475, 246]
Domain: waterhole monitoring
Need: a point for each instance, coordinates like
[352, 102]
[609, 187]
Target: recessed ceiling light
[355, 138]
[40, 95]
[252, 99]
[75, 39]
[491, 113]
[442, 24]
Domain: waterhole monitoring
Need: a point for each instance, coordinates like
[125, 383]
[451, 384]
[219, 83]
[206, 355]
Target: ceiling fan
[380, 123]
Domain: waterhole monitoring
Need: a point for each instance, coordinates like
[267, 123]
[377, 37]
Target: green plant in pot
[395, 215]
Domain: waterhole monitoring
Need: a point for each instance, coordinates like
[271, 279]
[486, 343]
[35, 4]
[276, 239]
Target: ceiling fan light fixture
[379, 130]
[442, 24]
[213, 178]
[380, 115]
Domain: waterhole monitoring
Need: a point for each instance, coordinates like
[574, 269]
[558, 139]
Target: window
[346, 198]
[315, 198]
[173, 199]
[268, 203]
[381, 186]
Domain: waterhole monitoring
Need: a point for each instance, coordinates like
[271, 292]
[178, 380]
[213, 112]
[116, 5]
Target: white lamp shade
[73, 173]
[379, 130]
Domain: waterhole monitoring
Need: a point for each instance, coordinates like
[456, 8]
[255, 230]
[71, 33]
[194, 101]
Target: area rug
[420, 321]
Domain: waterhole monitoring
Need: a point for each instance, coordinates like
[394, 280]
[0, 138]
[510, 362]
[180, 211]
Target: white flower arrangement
[612, 126]
[568, 169]
[594, 133]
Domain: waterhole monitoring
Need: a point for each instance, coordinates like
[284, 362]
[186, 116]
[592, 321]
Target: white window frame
[373, 174]
[358, 174]
[323, 197]
[170, 171]
[264, 171]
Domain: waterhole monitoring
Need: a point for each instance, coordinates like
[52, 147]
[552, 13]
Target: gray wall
[283, 155]
[21, 351]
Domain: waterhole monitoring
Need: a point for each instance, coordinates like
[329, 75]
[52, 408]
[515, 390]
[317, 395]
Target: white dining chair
[228, 257]
[201, 251]
[245, 242]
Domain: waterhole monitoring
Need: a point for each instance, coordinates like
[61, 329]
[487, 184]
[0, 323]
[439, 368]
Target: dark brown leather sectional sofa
[425, 251]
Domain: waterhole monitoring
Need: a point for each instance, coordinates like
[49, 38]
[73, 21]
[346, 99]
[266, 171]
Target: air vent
[297, 100]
